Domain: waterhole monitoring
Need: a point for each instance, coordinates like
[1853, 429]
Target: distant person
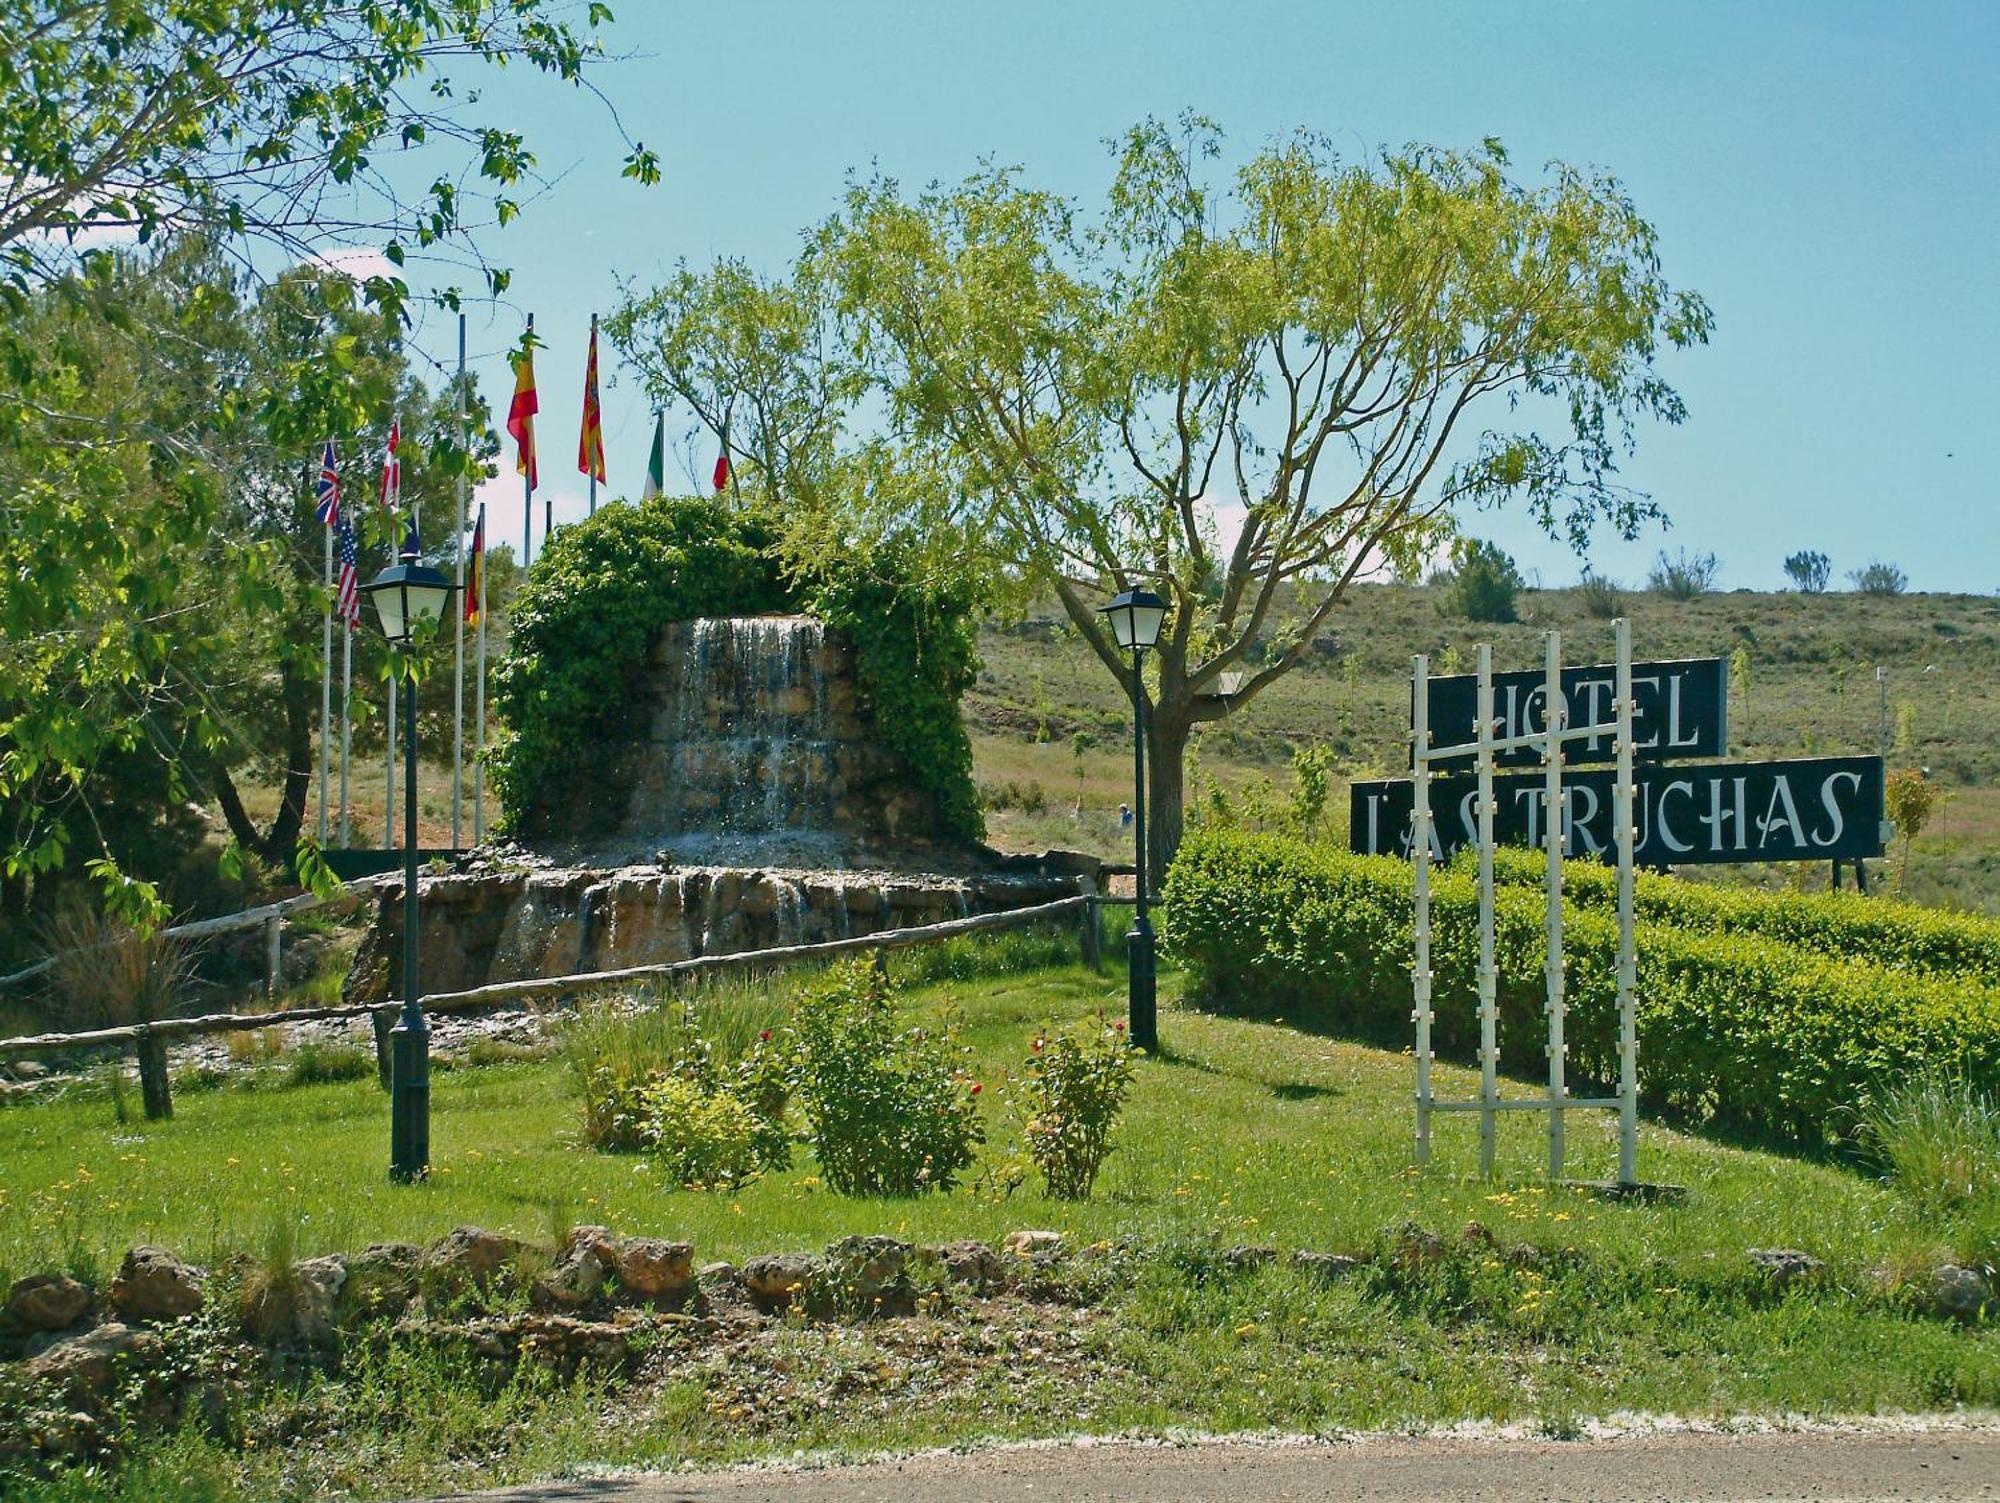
[1124, 816]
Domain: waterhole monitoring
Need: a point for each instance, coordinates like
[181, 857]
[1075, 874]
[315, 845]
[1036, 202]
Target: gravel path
[1822, 1465]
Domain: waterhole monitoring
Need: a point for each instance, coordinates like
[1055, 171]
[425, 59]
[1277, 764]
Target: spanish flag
[475, 571]
[521, 418]
[590, 444]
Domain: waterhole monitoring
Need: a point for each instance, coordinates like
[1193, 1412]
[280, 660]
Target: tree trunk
[278, 843]
[1167, 731]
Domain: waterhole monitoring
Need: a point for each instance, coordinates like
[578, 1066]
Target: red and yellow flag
[521, 419]
[475, 571]
[590, 444]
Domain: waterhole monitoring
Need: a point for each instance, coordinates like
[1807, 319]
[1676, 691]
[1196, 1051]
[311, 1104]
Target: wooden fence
[149, 1040]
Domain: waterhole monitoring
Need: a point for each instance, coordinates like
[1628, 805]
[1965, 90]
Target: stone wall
[508, 925]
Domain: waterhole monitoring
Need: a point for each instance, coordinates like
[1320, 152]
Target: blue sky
[1828, 175]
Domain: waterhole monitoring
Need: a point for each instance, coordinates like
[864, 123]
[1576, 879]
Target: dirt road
[1817, 1465]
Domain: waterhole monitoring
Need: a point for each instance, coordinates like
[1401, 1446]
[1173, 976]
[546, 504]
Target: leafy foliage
[1481, 584]
[599, 595]
[702, 1137]
[888, 1112]
[1072, 1090]
[1879, 578]
[1736, 1027]
[1808, 570]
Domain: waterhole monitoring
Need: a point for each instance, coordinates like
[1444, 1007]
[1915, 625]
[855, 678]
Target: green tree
[1481, 583]
[1347, 354]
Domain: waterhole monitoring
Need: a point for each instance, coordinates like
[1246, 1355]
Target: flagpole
[528, 484]
[346, 717]
[389, 754]
[479, 700]
[326, 683]
[458, 646]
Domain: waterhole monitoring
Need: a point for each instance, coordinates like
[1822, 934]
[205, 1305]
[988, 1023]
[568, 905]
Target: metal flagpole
[346, 717]
[389, 742]
[1628, 944]
[479, 710]
[458, 644]
[326, 685]
[1420, 855]
[1489, 1022]
[1553, 715]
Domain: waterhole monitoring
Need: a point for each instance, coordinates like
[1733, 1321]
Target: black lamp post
[405, 596]
[1135, 618]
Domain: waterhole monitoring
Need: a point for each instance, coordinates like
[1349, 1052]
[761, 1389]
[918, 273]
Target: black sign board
[1811, 809]
[1679, 709]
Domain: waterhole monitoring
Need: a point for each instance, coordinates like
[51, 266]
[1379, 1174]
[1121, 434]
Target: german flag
[521, 418]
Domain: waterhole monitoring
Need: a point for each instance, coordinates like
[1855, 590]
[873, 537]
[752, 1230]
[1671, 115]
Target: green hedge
[601, 591]
[1733, 1028]
[1903, 936]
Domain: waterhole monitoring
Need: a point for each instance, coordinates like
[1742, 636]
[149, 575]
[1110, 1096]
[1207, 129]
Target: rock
[588, 1258]
[652, 1269]
[468, 1256]
[1475, 1234]
[29, 1069]
[380, 1283]
[563, 1342]
[85, 1366]
[1960, 1293]
[1243, 1259]
[868, 1269]
[775, 1279]
[974, 1263]
[1416, 1248]
[1784, 1266]
[152, 1284]
[316, 1285]
[1327, 1267]
[45, 1302]
[1031, 1244]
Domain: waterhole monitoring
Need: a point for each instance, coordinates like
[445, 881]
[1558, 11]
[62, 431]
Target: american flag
[329, 487]
[347, 600]
[392, 469]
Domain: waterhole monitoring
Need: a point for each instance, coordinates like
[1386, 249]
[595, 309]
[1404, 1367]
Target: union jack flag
[392, 469]
[347, 600]
[329, 487]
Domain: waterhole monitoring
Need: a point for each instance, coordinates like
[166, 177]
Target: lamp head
[1136, 617]
[406, 595]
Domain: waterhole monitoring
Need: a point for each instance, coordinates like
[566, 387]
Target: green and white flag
[656, 466]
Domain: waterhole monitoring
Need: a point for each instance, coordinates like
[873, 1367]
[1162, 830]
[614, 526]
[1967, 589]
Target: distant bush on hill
[1685, 575]
[1601, 598]
[1480, 585]
[1879, 578]
[1808, 571]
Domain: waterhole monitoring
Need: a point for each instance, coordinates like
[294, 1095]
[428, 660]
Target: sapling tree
[1244, 393]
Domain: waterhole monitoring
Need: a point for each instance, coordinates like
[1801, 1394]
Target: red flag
[590, 443]
[521, 419]
[392, 469]
[722, 472]
[475, 570]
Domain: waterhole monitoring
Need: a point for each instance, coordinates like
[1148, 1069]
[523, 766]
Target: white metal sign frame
[1550, 740]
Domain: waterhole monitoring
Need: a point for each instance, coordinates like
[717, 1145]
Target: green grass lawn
[1242, 1132]
[1239, 1132]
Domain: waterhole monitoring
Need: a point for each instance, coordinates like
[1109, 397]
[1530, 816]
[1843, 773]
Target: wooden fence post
[153, 1087]
[274, 957]
[1092, 932]
[384, 1019]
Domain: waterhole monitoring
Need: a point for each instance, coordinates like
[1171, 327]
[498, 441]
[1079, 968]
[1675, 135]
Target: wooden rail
[149, 1040]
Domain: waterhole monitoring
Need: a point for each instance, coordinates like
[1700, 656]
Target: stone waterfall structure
[756, 808]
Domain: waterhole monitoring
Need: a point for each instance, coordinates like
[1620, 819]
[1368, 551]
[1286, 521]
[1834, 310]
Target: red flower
[764, 1037]
[1037, 1046]
[1117, 1027]
[977, 1088]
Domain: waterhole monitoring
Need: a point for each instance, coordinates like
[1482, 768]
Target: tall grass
[105, 973]
[1937, 1141]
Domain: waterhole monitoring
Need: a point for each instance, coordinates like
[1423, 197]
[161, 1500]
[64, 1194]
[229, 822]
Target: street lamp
[405, 596]
[1135, 618]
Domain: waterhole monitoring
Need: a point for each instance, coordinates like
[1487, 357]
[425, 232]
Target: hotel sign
[1679, 709]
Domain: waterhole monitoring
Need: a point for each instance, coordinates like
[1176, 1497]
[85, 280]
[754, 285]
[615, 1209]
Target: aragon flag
[521, 419]
[590, 443]
[656, 462]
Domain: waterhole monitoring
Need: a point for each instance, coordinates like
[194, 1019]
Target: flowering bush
[1073, 1092]
[888, 1112]
[703, 1139]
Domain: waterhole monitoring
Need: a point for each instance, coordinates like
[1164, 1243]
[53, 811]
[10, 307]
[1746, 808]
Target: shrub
[1809, 571]
[887, 1112]
[1601, 598]
[1937, 1141]
[701, 1138]
[1733, 1027]
[1909, 798]
[1071, 1098]
[1879, 579]
[315, 1063]
[1685, 575]
[1481, 584]
[107, 973]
